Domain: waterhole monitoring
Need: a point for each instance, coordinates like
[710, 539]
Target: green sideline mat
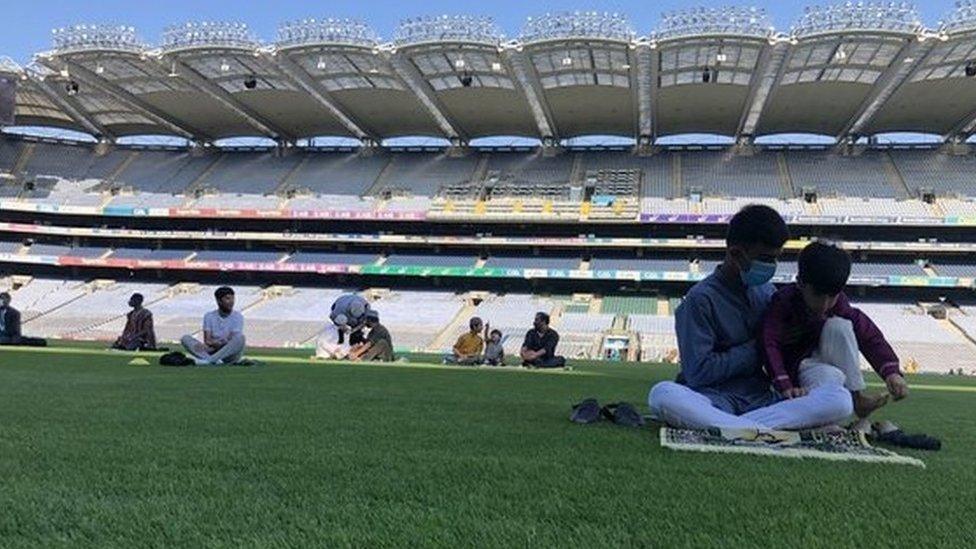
[836, 446]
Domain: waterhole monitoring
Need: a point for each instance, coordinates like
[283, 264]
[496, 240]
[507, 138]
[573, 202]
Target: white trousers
[228, 354]
[327, 348]
[829, 375]
[838, 348]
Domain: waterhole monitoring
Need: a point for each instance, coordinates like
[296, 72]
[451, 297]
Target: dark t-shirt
[377, 333]
[548, 341]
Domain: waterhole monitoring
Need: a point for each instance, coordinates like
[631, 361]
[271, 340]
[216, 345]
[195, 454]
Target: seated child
[811, 334]
[494, 352]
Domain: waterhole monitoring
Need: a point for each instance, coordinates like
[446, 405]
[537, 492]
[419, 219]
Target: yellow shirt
[469, 344]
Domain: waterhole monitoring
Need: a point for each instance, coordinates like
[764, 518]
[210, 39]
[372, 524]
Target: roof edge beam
[532, 89]
[902, 66]
[127, 98]
[299, 77]
[646, 72]
[416, 83]
[225, 98]
[769, 73]
[73, 109]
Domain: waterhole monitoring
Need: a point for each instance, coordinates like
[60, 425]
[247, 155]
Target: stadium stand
[625, 263]
[932, 343]
[249, 173]
[725, 174]
[182, 312]
[423, 174]
[832, 174]
[657, 336]
[150, 254]
[532, 262]
[312, 256]
[341, 174]
[943, 174]
[416, 317]
[580, 333]
[290, 318]
[238, 256]
[430, 259]
[41, 296]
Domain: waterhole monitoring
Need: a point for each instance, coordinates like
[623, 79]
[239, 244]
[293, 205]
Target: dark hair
[473, 320]
[757, 224]
[137, 298]
[824, 267]
[5, 294]
[496, 331]
[543, 316]
[222, 291]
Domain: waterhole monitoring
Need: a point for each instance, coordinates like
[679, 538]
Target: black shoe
[624, 414]
[585, 412]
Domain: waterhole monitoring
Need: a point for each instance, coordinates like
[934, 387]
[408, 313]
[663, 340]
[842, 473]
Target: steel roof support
[415, 81]
[126, 98]
[300, 78]
[769, 72]
[225, 98]
[902, 66]
[520, 66]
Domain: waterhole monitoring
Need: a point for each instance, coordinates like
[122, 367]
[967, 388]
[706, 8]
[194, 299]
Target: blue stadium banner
[8, 99]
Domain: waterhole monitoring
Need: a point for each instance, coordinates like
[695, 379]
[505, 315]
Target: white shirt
[220, 327]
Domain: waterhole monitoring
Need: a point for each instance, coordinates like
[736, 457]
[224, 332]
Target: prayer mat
[841, 445]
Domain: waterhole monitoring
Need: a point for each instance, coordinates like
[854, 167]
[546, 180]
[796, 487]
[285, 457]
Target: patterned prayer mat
[838, 446]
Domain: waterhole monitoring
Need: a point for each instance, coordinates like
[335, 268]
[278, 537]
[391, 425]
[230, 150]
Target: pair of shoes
[888, 432]
[621, 413]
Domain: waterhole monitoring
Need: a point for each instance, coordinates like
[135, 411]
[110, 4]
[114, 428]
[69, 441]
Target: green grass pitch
[96, 453]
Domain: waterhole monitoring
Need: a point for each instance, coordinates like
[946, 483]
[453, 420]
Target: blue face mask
[759, 273]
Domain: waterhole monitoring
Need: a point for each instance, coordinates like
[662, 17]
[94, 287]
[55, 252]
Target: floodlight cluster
[8, 66]
[208, 33]
[447, 28]
[591, 24]
[858, 16]
[963, 18]
[307, 32]
[96, 37]
[728, 20]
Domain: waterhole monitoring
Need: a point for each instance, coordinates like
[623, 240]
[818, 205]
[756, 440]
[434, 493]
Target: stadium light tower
[576, 25]
[96, 37]
[695, 22]
[962, 19]
[859, 16]
[448, 28]
[309, 32]
[208, 34]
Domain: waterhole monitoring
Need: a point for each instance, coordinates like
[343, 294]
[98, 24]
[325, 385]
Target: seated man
[10, 326]
[378, 344]
[722, 383]
[539, 347]
[468, 347]
[223, 333]
[138, 334]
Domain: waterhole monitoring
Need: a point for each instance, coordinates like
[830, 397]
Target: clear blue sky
[26, 26]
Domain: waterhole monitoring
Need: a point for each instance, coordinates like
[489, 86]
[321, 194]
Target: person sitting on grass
[10, 333]
[539, 347]
[812, 323]
[722, 383]
[378, 344]
[332, 344]
[223, 333]
[469, 346]
[494, 352]
[138, 334]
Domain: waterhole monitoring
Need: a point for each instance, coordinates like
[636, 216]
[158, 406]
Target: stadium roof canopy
[847, 70]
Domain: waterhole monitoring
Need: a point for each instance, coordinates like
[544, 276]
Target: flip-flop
[623, 413]
[587, 411]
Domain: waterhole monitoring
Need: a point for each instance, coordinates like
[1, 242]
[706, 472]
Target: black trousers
[553, 362]
[23, 341]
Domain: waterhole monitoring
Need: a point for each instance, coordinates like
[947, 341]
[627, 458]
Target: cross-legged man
[138, 333]
[722, 382]
[223, 333]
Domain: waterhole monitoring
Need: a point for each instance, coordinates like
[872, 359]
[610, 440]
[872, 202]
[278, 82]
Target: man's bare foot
[865, 404]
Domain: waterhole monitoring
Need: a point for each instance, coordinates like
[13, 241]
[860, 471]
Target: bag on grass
[175, 358]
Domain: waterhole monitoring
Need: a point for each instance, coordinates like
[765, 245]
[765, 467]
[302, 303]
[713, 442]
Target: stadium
[330, 197]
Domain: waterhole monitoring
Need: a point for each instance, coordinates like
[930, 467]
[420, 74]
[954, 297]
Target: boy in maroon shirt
[812, 322]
